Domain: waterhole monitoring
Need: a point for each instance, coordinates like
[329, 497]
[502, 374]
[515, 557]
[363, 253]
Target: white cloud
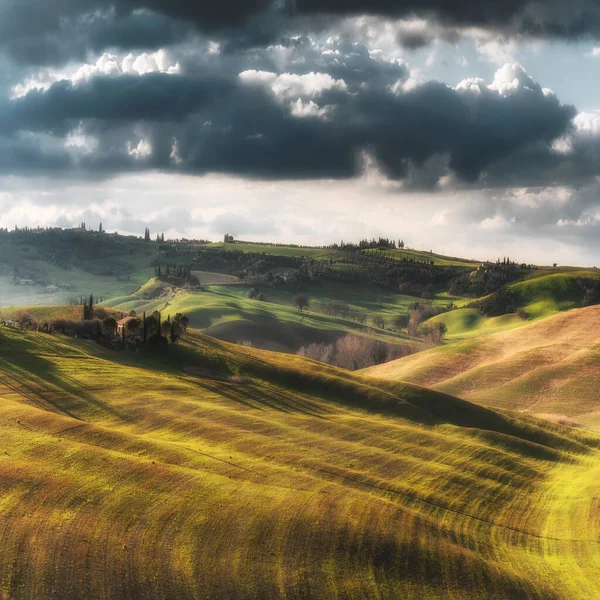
[80, 141]
[510, 78]
[441, 218]
[588, 123]
[497, 51]
[108, 65]
[291, 85]
[142, 150]
[496, 223]
[471, 84]
[309, 109]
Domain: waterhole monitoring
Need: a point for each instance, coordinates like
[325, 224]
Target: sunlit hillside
[213, 471]
[549, 367]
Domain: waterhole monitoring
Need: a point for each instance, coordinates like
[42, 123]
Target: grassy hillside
[373, 301]
[438, 259]
[539, 297]
[317, 253]
[230, 315]
[549, 367]
[544, 296]
[219, 472]
[326, 253]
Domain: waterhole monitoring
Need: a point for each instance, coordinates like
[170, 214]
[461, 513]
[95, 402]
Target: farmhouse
[122, 324]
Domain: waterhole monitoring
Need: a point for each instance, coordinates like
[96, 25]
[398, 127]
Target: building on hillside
[26, 282]
[51, 289]
[122, 324]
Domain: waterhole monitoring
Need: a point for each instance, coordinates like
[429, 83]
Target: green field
[213, 471]
[219, 305]
[420, 255]
[317, 253]
[373, 301]
[539, 297]
[326, 253]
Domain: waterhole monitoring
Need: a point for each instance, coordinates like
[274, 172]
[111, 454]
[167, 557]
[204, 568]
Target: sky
[470, 128]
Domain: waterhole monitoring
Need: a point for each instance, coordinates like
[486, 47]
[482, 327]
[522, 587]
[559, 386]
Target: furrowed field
[214, 471]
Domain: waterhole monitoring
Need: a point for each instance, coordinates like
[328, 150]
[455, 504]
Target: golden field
[214, 471]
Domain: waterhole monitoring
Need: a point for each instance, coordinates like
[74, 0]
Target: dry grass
[139, 477]
[548, 367]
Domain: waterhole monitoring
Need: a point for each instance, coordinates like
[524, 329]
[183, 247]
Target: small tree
[109, 325]
[301, 302]
[401, 321]
[379, 322]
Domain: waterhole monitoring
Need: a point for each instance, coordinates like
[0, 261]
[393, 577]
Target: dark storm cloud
[543, 18]
[240, 126]
[155, 97]
[39, 32]
[413, 40]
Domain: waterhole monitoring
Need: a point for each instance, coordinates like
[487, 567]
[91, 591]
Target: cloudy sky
[469, 127]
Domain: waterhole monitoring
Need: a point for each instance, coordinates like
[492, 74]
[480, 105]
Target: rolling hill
[214, 471]
[227, 313]
[538, 297]
[549, 367]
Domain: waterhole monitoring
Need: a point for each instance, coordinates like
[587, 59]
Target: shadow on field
[257, 397]
[37, 378]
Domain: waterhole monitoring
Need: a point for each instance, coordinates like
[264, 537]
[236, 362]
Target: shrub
[301, 302]
[401, 321]
[321, 352]
[379, 322]
[433, 333]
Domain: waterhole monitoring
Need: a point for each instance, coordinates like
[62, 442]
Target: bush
[433, 333]
[401, 322]
[502, 302]
[379, 322]
[301, 302]
[321, 352]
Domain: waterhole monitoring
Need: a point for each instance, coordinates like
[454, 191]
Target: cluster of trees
[68, 248]
[254, 294]
[243, 264]
[344, 311]
[152, 329]
[499, 303]
[591, 291]
[363, 244]
[178, 271]
[359, 268]
[355, 352]
[484, 281]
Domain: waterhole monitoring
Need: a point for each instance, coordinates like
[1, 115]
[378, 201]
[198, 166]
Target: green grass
[547, 295]
[418, 255]
[82, 284]
[326, 253]
[214, 471]
[539, 297]
[373, 301]
[42, 313]
[222, 304]
[317, 253]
